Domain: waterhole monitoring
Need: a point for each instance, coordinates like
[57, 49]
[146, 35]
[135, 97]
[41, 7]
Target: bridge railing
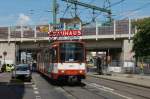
[115, 28]
[15, 31]
[106, 30]
[28, 31]
[39, 31]
[89, 31]
[3, 32]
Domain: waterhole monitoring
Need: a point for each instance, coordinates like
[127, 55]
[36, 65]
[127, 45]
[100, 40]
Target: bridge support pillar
[127, 54]
[127, 50]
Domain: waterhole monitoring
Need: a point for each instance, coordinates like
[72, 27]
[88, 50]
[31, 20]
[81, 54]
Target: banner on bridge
[64, 34]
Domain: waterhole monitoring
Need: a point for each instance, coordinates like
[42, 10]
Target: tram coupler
[72, 79]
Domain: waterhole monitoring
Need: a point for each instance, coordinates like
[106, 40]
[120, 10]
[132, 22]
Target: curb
[10, 84]
[16, 83]
[119, 81]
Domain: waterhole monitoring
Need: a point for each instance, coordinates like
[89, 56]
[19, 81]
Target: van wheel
[2, 70]
[12, 77]
[79, 81]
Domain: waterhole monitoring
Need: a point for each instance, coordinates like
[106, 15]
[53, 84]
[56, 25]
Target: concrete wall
[103, 44]
[32, 45]
[10, 49]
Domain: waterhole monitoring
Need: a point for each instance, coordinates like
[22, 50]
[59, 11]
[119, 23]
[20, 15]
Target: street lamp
[4, 53]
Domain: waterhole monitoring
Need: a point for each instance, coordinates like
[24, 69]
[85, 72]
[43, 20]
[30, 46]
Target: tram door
[53, 58]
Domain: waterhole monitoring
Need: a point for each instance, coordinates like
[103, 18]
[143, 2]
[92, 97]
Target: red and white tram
[64, 60]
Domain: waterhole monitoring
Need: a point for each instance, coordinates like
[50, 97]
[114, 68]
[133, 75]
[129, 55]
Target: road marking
[106, 89]
[36, 92]
[28, 83]
[121, 95]
[37, 97]
[100, 86]
[35, 88]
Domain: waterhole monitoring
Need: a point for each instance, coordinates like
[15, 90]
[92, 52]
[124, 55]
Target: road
[91, 88]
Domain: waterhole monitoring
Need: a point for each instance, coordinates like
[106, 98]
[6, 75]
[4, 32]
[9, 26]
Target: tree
[141, 40]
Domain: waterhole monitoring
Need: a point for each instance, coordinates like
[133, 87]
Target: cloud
[23, 19]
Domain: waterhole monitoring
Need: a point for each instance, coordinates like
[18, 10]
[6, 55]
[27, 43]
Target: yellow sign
[44, 28]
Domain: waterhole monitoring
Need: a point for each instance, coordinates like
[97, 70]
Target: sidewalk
[5, 78]
[134, 79]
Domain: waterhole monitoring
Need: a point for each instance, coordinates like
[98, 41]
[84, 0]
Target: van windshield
[22, 67]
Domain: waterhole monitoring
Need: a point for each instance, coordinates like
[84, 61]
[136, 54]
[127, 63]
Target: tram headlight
[80, 71]
[62, 71]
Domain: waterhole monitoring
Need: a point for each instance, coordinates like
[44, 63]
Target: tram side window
[54, 54]
[38, 58]
[46, 56]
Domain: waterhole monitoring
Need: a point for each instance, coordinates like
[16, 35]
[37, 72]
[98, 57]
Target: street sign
[42, 28]
[4, 53]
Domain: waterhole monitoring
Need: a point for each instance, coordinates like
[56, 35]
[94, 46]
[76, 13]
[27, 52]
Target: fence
[127, 66]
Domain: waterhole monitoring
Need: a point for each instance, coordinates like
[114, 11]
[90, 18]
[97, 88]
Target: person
[34, 66]
[142, 68]
[3, 69]
[98, 63]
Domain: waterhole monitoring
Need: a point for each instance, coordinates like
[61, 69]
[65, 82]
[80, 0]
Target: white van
[22, 71]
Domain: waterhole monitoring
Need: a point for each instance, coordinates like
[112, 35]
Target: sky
[31, 12]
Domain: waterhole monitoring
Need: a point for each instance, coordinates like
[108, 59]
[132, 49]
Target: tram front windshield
[71, 52]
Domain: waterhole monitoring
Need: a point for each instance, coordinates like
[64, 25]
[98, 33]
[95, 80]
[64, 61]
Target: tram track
[133, 90]
[73, 96]
[85, 89]
[98, 90]
[132, 93]
[93, 88]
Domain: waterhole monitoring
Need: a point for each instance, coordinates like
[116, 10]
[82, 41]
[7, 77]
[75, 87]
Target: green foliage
[141, 40]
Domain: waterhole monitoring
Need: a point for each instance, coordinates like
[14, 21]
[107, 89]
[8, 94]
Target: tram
[63, 60]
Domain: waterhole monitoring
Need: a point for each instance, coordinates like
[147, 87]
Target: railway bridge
[114, 41]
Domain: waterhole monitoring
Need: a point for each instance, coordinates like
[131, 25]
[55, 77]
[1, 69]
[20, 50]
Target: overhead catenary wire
[116, 3]
[131, 12]
[67, 8]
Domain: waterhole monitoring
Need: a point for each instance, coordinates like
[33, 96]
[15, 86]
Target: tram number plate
[71, 72]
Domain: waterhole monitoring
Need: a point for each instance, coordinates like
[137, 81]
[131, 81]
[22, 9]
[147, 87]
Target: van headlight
[28, 75]
[28, 70]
